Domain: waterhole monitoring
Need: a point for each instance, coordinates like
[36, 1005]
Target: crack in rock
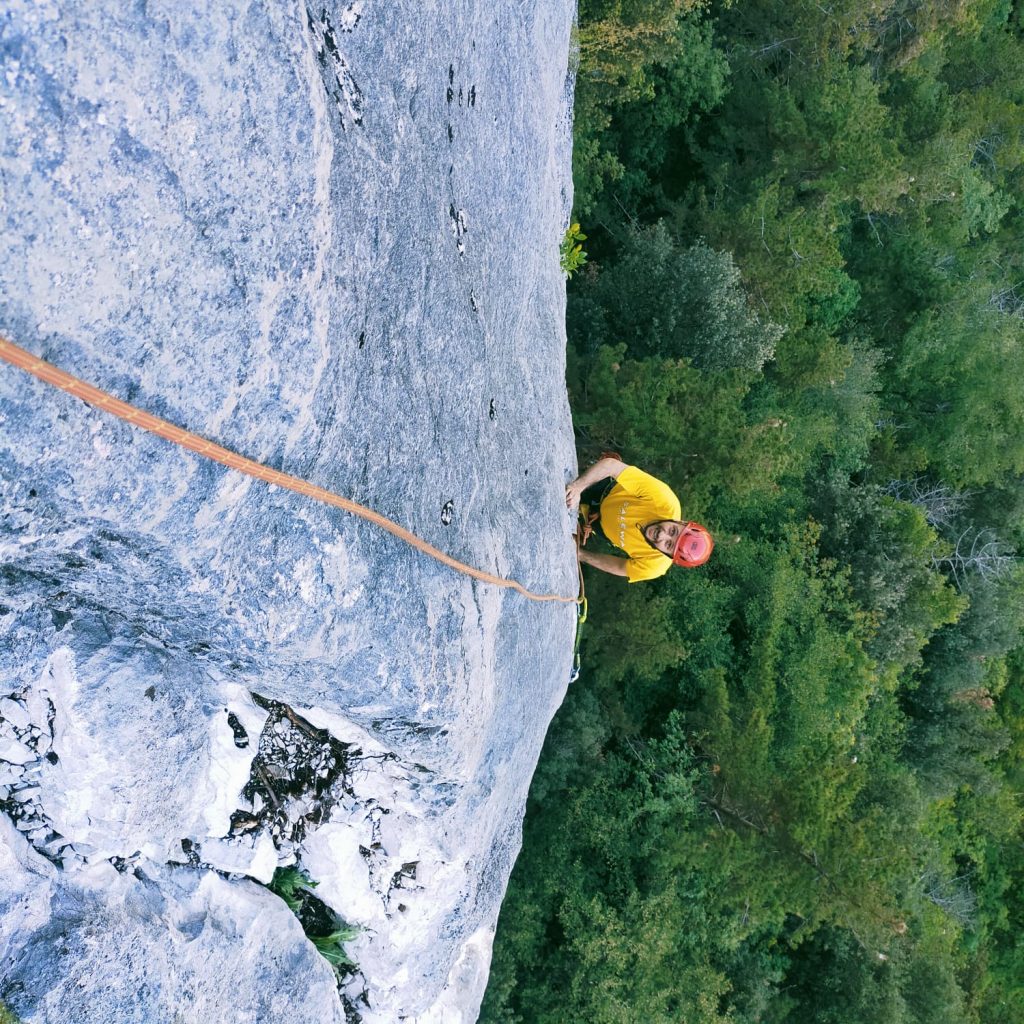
[338, 80]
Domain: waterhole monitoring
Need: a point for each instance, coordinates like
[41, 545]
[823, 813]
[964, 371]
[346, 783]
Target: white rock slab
[274, 225]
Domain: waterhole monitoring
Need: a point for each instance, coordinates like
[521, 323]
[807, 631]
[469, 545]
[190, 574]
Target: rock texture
[325, 237]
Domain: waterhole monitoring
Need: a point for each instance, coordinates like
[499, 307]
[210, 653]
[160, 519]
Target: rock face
[325, 237]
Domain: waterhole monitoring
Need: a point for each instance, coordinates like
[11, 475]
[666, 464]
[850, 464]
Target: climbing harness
[50, 374]
[588, 517]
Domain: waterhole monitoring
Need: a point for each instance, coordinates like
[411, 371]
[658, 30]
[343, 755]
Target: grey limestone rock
[167, 945]
[324, 236]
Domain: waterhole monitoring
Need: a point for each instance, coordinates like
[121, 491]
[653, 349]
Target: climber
[639, 515]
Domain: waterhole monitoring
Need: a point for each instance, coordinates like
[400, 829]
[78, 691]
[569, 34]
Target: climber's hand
[572, 493]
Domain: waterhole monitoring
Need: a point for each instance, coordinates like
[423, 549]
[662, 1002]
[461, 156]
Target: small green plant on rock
[291, 884]
[570, 253]
[322, 926]
[332, 947]
[6, 1016]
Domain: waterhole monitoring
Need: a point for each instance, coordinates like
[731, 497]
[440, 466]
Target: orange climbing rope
[51, 374]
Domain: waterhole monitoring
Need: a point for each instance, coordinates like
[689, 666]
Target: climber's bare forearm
[600, 470]
[606, 563]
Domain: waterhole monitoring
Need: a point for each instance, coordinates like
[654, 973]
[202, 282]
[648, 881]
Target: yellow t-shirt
[636, 500]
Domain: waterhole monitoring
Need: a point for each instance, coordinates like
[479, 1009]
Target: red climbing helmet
[694, 546]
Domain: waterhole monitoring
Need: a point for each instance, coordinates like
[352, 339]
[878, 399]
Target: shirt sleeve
[652, 490]
[639, 569]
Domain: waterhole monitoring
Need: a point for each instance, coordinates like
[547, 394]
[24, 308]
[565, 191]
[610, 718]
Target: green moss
[7, 1016]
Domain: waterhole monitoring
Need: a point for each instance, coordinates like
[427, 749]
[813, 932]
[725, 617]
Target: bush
[662, 299]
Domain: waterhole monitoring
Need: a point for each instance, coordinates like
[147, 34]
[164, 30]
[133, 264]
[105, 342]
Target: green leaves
[291, 884]
[295, 887]
[782, 780]
[643, 68]
[332, 947]
[570, 252]
[663, 298]
[960, 373]
[7, 1016]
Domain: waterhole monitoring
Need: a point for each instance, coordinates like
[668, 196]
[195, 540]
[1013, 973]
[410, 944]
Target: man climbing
[639, 515]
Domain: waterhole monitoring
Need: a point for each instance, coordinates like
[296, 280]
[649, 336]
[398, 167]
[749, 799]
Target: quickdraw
[583, 532]
[581, 617]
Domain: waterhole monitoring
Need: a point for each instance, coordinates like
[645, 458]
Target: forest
[787, 786]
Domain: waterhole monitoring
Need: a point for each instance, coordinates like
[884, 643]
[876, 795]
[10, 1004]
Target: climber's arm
[600, 470]
[607, 563]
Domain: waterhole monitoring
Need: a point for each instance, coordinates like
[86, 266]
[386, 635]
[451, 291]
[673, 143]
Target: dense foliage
[787, 786]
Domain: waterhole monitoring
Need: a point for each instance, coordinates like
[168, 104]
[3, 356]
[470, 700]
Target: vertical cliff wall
[325, 237]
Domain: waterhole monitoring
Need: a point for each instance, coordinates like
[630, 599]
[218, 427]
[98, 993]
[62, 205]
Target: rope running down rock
[50, 374]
